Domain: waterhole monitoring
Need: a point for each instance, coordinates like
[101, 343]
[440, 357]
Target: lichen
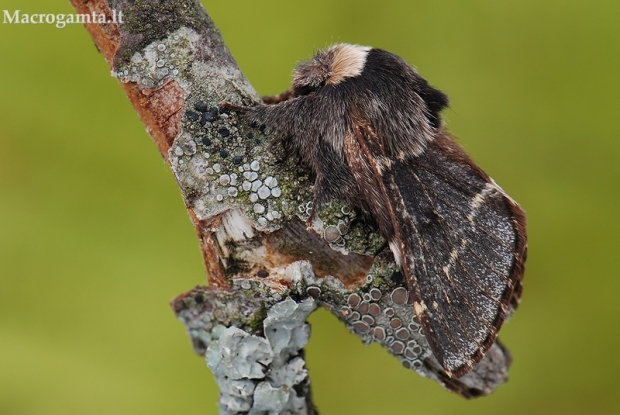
[381, 312]
[168, 58]
[258, 374]
[145, 21]
[230, 168]
[255, 324]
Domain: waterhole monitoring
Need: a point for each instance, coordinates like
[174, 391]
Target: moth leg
[276, 99]
[320, 197]
[315, 208]
[233, 107]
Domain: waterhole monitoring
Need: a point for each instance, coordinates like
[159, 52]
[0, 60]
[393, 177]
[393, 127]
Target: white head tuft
[330, 66]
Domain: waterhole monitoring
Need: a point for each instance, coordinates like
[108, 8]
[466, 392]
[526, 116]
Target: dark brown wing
[458, 237]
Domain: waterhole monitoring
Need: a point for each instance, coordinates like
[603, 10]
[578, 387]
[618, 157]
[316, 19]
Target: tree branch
[266, 270]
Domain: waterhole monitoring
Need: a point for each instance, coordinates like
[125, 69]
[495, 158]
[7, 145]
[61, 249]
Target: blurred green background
[94, 238]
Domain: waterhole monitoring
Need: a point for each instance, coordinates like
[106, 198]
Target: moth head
[329, 67]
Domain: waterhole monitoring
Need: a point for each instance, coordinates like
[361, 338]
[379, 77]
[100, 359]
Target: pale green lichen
[259, 374]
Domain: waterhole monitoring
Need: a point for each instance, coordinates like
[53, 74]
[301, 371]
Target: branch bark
[266, 270]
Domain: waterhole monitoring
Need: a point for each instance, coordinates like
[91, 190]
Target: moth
[369, 127]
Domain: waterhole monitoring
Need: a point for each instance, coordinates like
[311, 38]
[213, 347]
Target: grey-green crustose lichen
[146, 21]
[223, 160]
[260, 374]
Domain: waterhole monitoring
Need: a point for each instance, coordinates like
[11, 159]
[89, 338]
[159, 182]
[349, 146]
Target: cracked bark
[265, 269]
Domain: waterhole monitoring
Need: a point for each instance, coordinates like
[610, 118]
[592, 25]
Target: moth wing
[459, 239]
[462, 247]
